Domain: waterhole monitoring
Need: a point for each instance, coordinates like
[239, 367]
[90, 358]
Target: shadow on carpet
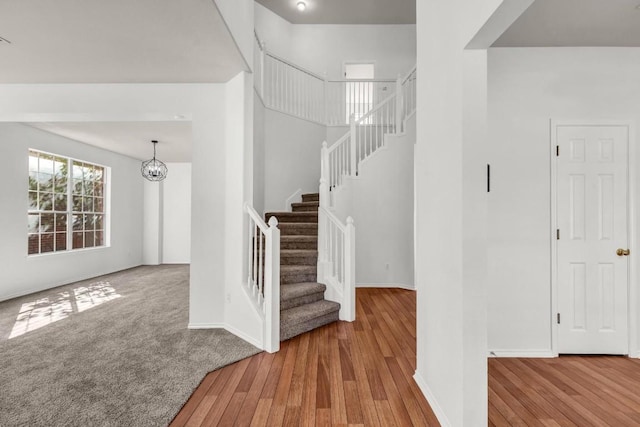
[111, 351]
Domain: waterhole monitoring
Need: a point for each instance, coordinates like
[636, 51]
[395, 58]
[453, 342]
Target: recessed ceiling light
[301, 6]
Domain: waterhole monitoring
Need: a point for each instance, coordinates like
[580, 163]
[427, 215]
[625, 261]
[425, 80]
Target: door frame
[632, 294]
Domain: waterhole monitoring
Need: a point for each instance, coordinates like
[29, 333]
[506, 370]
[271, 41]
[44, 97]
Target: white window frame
[106, 197]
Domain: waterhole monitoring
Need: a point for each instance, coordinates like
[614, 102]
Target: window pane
[60, 184]
[33, 181]
[61, 222]
[77, 240]
[34, 223]
[98, 222]
[88, 204]
[99, 204]
[77, 203]
[88, 239]
[99, 238]
[34, 244]
[77, 186]
[46, 181]
[46, 164]
[33, 201]
[88, 222]
[33, 161]
[60, 202]
[46, 201]
[46, 242]
[98, 189]
[46, 222]
[87, 188]
[61, 241]
[77, 170]
[99, 173]
[77, 222]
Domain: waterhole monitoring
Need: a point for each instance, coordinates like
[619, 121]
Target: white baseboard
[386, 285]
[544, 354]
[435, 406]
[244, 336]
[205, 326]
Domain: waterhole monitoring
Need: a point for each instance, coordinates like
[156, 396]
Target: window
[66, 204]
[359, 93]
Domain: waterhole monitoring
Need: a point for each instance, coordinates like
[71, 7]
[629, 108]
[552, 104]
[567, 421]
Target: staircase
[302, 303]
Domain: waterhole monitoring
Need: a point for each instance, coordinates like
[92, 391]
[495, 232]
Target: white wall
[273, 30]
[380, 200]
[152, 226]
[527, 88]
[258, 153]
[238, 16]
[292, 157]
[21, 274]
[176, 214]
[324, 48]
[450, 209]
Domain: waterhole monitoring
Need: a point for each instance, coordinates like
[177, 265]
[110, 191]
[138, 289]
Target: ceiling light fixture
[301, 6]
[154, 170]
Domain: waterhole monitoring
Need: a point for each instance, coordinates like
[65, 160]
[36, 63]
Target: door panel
[592, 219]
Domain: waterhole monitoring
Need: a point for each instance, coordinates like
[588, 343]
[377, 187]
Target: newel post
[399, 103]
[352, 144]
[272, 287]
[349, 291]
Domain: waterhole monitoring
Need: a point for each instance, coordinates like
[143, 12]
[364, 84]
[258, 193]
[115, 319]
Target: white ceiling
[115, 41]
[345, 11]
[132, 139]
[575, 23]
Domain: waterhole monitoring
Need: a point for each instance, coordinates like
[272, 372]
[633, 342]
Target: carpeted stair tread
[283, 217]
[301, 319]
[298, 273]
[298, 242]
[311, 197]
[305, 207]
[297, 290]
[297, 294]
[299, 257]
[298, 228]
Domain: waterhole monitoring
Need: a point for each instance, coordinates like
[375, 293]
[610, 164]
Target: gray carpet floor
[111, 351]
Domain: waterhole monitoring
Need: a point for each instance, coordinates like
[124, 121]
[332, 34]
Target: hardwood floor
[360, 374]
[343, 374]
[566, 391]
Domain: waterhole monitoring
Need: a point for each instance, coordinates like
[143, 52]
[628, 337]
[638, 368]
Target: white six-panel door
[592, 224]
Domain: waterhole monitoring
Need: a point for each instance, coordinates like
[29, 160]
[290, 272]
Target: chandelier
[154, 169]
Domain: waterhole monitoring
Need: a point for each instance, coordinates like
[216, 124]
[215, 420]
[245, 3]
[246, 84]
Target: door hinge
[557, 234]
[558, 318]
[557, 151]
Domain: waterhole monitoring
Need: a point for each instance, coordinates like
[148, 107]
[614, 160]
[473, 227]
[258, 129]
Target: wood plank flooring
[360, 374]
[566, 391]
[343, 374]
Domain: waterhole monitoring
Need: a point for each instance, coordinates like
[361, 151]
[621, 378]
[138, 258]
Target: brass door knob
[623, 252]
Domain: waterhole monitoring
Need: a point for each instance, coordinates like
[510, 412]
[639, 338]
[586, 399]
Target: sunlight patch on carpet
[45, 311]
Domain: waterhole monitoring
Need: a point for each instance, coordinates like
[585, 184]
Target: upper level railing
[292, 89]
[263, 274]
